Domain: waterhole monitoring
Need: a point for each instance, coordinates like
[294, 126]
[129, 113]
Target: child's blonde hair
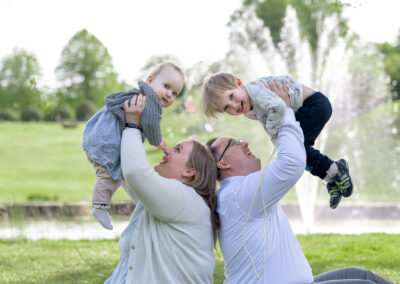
[159, 67]
[214, 87]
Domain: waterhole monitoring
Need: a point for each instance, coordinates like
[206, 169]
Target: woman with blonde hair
[173, 229]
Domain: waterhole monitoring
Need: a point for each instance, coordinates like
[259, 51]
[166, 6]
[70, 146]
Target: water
[92, 230]
[60, 229]
[347, 219]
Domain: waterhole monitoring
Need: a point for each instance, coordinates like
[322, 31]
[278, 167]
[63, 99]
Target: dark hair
[204, 181]
[213, 151]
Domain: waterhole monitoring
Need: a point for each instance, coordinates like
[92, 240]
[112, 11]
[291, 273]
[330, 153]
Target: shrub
[41, 197]
[85, 110]
[8, 115]
[31, 114]
[63, 112]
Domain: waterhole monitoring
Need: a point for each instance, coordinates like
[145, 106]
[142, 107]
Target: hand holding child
[279, 89]
[163, 146]
[134, 109]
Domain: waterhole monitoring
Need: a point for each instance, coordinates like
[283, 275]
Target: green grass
[45, 159]
[371, 145]
[63, 261]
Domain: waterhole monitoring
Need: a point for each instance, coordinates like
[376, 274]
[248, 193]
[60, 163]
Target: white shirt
[286, 262]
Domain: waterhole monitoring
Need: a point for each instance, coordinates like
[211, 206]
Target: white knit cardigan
[173, 240]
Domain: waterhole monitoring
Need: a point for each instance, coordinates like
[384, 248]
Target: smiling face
[167, 84]
[237, 158]
[235, 101]
[174, 162]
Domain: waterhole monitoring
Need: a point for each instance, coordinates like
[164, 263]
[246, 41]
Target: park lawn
[64, 261]
[45, 159]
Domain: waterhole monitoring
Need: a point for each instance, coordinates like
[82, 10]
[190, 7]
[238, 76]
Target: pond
[90, 229]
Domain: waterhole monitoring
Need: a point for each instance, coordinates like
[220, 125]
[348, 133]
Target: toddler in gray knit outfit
[102, 134]
[224, 92]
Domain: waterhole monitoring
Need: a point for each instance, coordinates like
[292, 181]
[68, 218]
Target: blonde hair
[214, 87]
[159, 67]
[204, 181]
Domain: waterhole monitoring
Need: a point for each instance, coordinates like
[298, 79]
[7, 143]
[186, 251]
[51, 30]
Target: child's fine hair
[214, 86]
[159, 67]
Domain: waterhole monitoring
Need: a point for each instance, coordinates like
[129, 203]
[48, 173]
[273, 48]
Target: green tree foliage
[312, 16]
[19, 74]
[86, 71]
[272, 13]
[155, 60]
[392, 64]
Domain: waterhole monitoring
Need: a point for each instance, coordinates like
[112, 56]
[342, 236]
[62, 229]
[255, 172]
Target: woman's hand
[280, 89]
[134, 110]
[163, 146]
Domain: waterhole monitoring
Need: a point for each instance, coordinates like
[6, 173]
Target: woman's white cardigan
[173, 239]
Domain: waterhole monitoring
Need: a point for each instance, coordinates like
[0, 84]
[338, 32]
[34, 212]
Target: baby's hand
[280, 89]
[163, 146]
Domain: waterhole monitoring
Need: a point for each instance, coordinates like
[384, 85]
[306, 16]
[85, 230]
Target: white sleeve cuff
[289, 115]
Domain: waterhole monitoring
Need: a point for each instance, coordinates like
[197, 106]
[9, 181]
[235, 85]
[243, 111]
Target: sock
[102, 215]
[331, 172]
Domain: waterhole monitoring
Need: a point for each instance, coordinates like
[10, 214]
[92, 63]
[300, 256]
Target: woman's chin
[157, 167]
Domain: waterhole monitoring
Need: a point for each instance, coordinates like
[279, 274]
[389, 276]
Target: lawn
[63, 261]
[46, 160]
[43, 159]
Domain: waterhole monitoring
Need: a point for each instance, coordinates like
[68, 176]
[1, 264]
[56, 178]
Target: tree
[312, 17]
[155, 60]
[392, 64]
[86, 71]
[19, 75]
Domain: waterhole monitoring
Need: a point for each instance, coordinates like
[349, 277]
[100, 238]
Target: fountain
[347, 70]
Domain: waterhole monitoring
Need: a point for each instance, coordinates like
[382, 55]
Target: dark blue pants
[313, 116]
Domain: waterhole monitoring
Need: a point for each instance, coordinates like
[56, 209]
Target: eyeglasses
[232, 141]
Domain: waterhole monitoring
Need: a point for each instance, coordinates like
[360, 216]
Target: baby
[224, 92]
[102, 134]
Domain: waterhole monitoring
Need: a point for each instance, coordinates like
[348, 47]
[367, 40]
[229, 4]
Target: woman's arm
[168, 199]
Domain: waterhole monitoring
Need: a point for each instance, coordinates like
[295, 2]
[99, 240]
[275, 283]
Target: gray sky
[134, 30]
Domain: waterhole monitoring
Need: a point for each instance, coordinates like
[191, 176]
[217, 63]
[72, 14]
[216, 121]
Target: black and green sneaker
[343, 179]
[335, 194]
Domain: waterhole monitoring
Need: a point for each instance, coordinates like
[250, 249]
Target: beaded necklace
[259, 189]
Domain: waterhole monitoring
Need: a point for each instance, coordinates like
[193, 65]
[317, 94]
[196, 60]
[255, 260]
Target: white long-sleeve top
[269, 108]
[286, 263]
[173, 239]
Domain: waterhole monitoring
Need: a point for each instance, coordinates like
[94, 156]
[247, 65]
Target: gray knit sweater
[269, 108]
[102, 134]
[151, 116]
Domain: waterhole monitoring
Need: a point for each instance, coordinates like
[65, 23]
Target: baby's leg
[105, 186]
[313, 116]
[103, 191]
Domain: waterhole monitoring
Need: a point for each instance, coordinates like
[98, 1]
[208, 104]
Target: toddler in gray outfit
[102, 134]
